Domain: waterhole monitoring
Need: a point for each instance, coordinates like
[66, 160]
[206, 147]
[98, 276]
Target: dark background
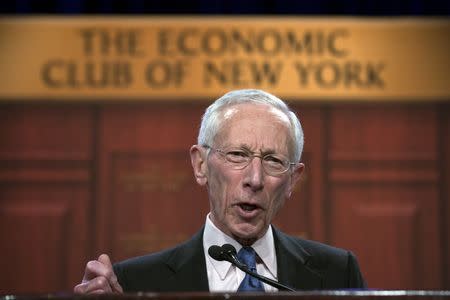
[228, 7]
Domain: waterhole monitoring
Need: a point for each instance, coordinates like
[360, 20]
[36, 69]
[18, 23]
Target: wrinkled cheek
[276, 205]
[219, 194]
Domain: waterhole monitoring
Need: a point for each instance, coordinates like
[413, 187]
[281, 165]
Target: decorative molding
[45, 175]
[39, 155]
[393, 176]
[369, 157]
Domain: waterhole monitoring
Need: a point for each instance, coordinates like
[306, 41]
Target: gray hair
[211, 119]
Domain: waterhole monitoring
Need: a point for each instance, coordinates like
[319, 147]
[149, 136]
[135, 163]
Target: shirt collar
[264, 247]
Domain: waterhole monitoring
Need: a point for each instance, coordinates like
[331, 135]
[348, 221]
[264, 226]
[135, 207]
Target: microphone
[216, 252]
[228, 252]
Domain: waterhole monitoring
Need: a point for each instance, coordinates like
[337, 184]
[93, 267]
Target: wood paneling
[392, 229]
[384, 193]
[444, 141]
[302, 215]
[44, 230]
[45, 194]
[80, 180]
[46, 132]
[147, 196]
[155, 202]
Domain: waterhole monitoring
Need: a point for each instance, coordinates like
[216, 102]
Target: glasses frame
[252, 155]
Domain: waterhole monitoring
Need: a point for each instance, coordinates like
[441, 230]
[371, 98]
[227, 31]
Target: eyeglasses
[273, 164]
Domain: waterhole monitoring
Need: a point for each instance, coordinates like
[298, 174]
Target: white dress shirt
[222, 275]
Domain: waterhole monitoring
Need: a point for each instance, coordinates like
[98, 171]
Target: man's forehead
[229, 112]
[250, 115]
[247, 109]
[262, 149]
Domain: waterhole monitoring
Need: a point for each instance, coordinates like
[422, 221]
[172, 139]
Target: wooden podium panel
[304, 295]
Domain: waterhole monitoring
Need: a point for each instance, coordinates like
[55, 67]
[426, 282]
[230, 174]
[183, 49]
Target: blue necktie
[247, 256]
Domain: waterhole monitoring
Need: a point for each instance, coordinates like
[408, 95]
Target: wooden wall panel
[25, 224]
[303, 214]
[46, 132]
[147, 196]
[155, 202]
[45, 194]
[393, 230]
[384, 193]
[383, 132]
[46, 233]
[444, 142]
[79, 180]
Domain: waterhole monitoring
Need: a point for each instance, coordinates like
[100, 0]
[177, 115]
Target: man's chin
[247, 233]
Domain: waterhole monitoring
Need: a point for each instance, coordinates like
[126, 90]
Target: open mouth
[248, 207]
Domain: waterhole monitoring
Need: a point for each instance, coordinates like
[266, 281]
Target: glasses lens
[272, 164]
[275, 164]
[237, 156]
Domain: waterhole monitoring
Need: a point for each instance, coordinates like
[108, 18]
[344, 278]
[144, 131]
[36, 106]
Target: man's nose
[254, 174]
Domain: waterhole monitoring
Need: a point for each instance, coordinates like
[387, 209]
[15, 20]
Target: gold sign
[197, 57]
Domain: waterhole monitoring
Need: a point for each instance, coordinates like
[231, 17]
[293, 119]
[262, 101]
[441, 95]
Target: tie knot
[247, 256]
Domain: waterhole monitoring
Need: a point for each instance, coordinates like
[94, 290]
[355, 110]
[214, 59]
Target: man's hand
[99, 278]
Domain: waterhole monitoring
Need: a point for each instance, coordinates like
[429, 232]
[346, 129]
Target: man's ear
[295, 177]
[198, 161]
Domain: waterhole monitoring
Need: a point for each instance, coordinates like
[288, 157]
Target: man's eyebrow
[262, 151]
[269, 151]
[246, 147]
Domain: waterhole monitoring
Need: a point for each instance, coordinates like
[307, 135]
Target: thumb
[104, 259]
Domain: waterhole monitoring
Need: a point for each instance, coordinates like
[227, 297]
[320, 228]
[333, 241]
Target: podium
[307, 295]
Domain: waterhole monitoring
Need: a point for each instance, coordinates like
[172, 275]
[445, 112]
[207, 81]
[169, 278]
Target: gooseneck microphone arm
[228, 252]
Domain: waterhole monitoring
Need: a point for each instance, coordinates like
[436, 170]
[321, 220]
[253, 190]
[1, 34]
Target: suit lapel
[188, 266]
[294, 264]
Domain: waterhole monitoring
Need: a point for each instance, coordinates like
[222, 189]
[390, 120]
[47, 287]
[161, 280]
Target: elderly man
[248, 158]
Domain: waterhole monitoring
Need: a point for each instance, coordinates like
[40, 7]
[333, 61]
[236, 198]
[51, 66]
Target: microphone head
[229, 249]
[216, 252]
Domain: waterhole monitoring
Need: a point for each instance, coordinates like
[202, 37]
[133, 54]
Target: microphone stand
[230, 255]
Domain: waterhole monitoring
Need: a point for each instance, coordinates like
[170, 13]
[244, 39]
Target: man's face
[244, 202]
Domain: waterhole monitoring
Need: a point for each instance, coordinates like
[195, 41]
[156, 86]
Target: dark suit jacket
[302, 265]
